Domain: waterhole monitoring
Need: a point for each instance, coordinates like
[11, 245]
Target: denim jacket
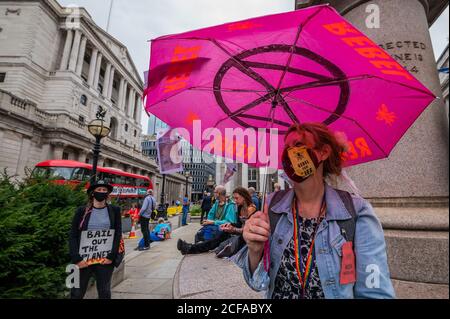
[372, 271]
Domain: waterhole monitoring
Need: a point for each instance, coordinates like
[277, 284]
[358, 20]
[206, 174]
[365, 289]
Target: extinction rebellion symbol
[240, 114]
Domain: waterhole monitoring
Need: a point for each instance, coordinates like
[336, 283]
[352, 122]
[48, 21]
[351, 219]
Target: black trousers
[145, 231]
[102, 274]
[207, 245]
[204, 214]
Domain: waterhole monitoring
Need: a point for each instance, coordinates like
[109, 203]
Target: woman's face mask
[299, 163]
[100, 196]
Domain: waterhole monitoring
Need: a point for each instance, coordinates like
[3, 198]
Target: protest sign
[95, 245]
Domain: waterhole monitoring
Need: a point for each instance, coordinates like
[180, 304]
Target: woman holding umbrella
[96, 215]
[314, 241]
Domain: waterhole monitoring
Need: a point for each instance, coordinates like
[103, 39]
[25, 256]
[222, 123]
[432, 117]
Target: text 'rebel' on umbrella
[309, 65]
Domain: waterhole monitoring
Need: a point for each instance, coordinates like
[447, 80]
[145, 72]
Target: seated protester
[161, 232]
[246, 208]
[222, 212]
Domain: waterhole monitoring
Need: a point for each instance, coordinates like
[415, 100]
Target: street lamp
[99, 130]
[210, 183]
[187, 175]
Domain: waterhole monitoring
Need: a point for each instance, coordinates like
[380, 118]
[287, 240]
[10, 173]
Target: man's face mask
[299, 163]
[100, 196]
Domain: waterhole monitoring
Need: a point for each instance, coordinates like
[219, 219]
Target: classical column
[75, 51]
[120, 98]
[139, 110]
[106, 79]
[80, 60]
[58, 150]
[280, 180]
[66, 52]
[410, 188]
[82, 156]
[92, 66]
[245, 175]
[110, 84]
[98, 67]
[130, 102]
[124, 98]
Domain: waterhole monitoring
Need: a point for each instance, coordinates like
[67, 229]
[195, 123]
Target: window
[81, 119]
[2, 77]
[135, 133]
[126, 127]
[65, 156]
[83, 100]
[80, 174]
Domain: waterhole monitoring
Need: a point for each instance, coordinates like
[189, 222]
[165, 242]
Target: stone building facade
[56, 68]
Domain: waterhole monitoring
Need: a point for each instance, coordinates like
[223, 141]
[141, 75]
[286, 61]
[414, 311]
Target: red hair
[322, 136]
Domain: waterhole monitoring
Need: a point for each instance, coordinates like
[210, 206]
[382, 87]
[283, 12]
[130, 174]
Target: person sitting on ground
[246, 209]
[161, 232]
[221, 213]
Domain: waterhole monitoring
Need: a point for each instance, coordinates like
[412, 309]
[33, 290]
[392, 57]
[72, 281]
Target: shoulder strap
[273, 217]
[348, 226]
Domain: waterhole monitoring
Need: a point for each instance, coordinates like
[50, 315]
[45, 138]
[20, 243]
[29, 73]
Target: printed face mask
[100, 196]
[299, 163]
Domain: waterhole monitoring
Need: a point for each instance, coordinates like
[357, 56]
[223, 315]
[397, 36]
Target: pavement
[150, 274]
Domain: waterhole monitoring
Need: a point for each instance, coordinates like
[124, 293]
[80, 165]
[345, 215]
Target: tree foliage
[35, 218]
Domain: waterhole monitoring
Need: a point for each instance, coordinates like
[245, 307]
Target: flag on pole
[168, 147]
[231, 170]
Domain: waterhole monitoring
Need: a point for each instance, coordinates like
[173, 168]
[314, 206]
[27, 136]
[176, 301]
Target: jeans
[185, 213]
[102, 274]
[145, 231]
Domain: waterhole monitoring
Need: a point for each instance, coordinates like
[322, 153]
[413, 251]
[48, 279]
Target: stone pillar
[410, 189]
[131, 99]
[98, 67]
[58, 150]
[106, 79]
[23, 156]
[281, 181]
[66, 52]
[92, 66]
[45, 152]
[82, 156]
[80, 60]
[124, 100]
[75, 51]
[120, 98]
[245, 175]
[110, 84]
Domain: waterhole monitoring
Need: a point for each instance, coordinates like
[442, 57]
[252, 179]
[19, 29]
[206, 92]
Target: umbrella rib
[297, 37]
[341, 116]
[290, 69]
[204, 88]
[320, 83]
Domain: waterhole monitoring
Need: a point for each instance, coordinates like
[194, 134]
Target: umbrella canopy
[309, 65]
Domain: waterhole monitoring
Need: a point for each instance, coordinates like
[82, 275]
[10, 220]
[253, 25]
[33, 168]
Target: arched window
[126, 127]
[113, 125]
[83, 100]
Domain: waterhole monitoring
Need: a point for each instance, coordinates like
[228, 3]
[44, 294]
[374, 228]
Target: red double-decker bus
[126, 185]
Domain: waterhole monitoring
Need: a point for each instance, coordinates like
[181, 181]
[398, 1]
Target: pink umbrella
[309, 65]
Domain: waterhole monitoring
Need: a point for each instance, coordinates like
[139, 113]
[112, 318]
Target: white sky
[135, 22]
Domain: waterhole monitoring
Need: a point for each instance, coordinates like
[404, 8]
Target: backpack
[347, 226]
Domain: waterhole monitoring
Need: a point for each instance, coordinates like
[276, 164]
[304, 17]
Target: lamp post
[161, 210]
[187, 175]
[99, 130]
[210, 183]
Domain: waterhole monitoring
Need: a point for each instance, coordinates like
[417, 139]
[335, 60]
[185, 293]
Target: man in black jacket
[97, 215]
[206, 205]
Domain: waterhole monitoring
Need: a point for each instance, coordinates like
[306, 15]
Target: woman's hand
[207, 222]
[107, 262]
[82, 264]
[227, 228]
[256, 233]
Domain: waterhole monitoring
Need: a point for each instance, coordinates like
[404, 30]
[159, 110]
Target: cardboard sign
[95, 245]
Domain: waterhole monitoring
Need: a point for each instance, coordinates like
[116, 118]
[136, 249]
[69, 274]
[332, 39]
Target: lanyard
[297, 242]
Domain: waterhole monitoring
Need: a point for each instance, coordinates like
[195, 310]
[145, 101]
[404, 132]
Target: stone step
[414, 218]
[417, 290]
[418, 256]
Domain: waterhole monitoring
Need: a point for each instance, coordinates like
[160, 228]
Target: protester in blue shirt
[186, 205]
[145, 214]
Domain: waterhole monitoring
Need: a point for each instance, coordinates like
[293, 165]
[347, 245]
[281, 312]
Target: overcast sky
[135, 22]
